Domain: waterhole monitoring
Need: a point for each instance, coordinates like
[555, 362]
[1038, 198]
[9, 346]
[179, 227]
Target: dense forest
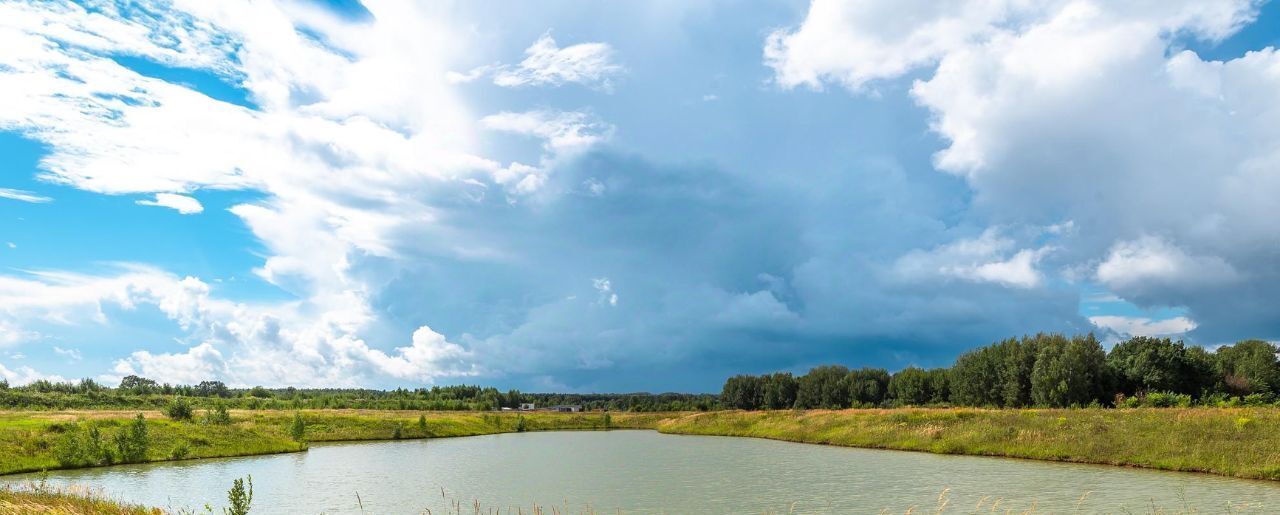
[139, 392]
[1045, 370]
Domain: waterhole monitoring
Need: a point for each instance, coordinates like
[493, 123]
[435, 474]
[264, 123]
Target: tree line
[1046, 370]
[135, 392]
[1051, 370]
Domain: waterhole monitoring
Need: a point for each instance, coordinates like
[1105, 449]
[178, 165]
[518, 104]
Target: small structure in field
[527, 406]
[571, 408]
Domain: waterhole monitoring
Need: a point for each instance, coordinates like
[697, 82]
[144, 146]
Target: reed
[41, 498]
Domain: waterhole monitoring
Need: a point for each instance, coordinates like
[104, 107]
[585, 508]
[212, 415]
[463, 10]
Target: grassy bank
[1233, 442]
[30, 441]
[39, 498]
[1241, 442]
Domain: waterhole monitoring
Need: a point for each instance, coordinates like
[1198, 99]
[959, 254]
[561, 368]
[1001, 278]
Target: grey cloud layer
[1150, 172]
[1166, 164]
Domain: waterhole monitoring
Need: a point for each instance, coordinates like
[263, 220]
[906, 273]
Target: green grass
[347, 425]
[28, 439]
[1239, 442]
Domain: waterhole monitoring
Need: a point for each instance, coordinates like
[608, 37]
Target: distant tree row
[1049, 370]
[140, 392]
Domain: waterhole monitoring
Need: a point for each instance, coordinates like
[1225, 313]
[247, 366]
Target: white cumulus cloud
[1152, 261]
[605, 289]
[853, 42]
[25, 375]
[546, 63]
[562, 131]
[23, 196]
[180, 203]
[565, 134]
[71, 354]
[1143, 326]
[988, 258]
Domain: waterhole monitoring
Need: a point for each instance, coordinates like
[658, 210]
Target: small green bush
[240, 497]
[81, 447]
[93, 448]
[297, 429]
[422, 423]
[1167, 400]
[397, 433]
[180, 451]
[218, 416]
[132, 441]
[179, 409]
[67, 450]
[1257, 399]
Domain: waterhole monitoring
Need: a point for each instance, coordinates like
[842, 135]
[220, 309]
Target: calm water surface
[648, 472]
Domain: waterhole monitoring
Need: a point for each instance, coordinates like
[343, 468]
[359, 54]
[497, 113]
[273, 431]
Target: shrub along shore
[1240, 442]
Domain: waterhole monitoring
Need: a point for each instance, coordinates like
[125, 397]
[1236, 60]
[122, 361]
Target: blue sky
[581, 196]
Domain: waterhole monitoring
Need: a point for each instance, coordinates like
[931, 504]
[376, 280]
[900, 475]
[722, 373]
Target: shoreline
[28, 439]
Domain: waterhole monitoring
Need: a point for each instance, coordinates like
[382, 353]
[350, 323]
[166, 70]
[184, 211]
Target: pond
[649, 472]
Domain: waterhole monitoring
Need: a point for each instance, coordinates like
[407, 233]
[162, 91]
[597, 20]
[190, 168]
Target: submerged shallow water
[649, 472]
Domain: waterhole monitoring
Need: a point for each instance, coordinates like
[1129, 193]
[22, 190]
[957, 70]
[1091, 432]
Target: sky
[586, 196]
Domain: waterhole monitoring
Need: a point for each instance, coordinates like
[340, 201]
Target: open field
[1239, 442]
[29, 440]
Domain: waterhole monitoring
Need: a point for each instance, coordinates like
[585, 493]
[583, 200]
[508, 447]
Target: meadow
[1238, 442]
[33, 441]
